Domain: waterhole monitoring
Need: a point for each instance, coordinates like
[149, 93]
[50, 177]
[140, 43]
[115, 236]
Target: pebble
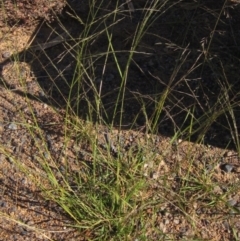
[23, 231]
[150, 164]
[30, 223]
[145, 174]
[209, 168]
[42, 94]
[226, 225]
[145, 166]
[3, 204]
[162, 227]
[62, 169]
[12, 126]
[228, 154]
[46, 155]
[232, 202]
[154, 175]
[6, 54]
[166, 221]
[176, 221]
[131, 138]
[227, 167]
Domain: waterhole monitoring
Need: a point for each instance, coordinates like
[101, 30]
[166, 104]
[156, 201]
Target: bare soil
[184, 30]
[28, 12]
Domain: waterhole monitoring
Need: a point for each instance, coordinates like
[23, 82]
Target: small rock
[166, 221]
[209, 168]
[226, 225]
[150, 164]
[3, 204]
[232, 202]
[131, 138]
[162, 227]
[12, 126]
[30, 223]
[226, 167]
[176, 221]
[154, 175]
[145, 165]
[217, 190]
[42, 94]
[23, 231]
[46, 155]
[62, 169]
[6, 54]
[157, 140]
[228, 154]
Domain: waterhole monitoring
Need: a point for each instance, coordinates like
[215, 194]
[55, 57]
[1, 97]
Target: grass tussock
[118, 80]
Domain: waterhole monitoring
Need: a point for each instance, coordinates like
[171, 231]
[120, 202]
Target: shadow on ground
[191, 49]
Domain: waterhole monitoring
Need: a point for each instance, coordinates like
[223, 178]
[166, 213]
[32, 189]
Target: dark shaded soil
[193, 48]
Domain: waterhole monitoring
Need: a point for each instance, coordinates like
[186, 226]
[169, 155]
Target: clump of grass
[108, 194]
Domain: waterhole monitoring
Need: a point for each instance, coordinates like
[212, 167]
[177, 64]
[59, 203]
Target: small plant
[88, 140]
